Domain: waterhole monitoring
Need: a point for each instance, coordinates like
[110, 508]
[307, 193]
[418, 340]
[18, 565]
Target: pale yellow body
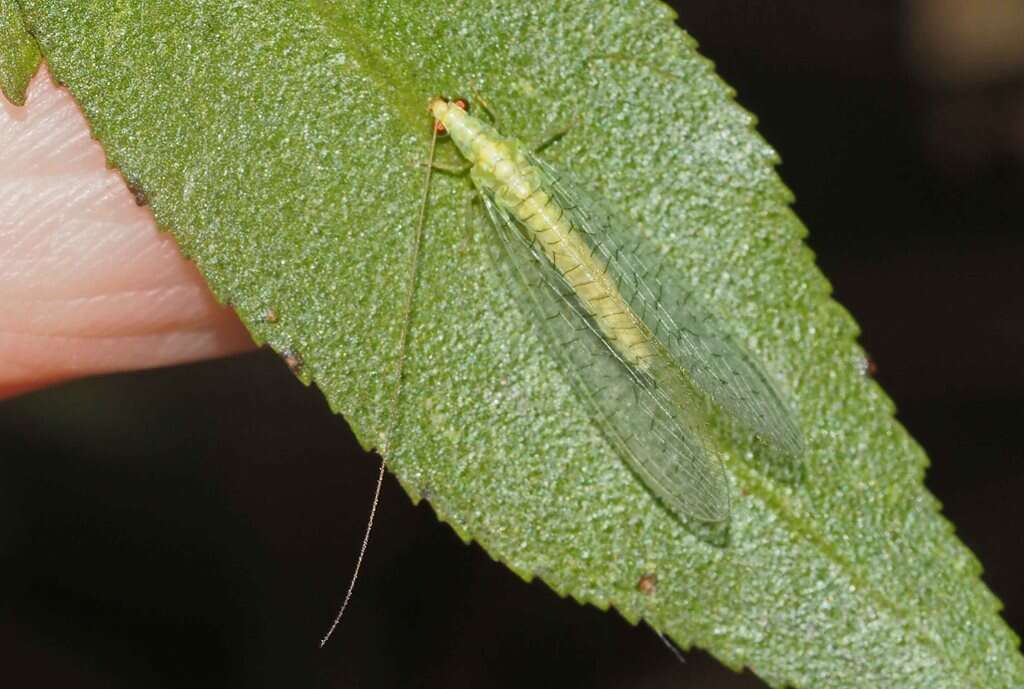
[501, 170]
[644, 360]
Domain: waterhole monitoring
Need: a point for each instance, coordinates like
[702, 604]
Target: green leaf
[19, 54]
[278, 142]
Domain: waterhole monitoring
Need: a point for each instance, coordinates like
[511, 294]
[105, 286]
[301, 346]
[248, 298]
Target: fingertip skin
[88, 283]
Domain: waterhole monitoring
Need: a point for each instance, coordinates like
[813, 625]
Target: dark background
[196, 526]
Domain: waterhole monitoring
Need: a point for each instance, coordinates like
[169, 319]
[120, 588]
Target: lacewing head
[438, 105]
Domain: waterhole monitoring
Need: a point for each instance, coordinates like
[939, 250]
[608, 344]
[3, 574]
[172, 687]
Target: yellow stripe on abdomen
[570, 252]
[516, 188]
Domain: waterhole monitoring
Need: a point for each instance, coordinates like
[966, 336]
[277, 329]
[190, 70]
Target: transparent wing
[638, 418]
[695, 338]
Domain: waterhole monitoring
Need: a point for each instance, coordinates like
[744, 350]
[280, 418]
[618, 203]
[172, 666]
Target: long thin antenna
[671, 646]
[393, 406]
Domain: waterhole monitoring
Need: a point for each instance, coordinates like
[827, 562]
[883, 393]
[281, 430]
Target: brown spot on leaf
[140, 196]
[648, 584]
[871, 368]
[293, 360]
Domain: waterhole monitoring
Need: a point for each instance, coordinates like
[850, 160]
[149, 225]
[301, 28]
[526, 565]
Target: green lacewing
[644, 361]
